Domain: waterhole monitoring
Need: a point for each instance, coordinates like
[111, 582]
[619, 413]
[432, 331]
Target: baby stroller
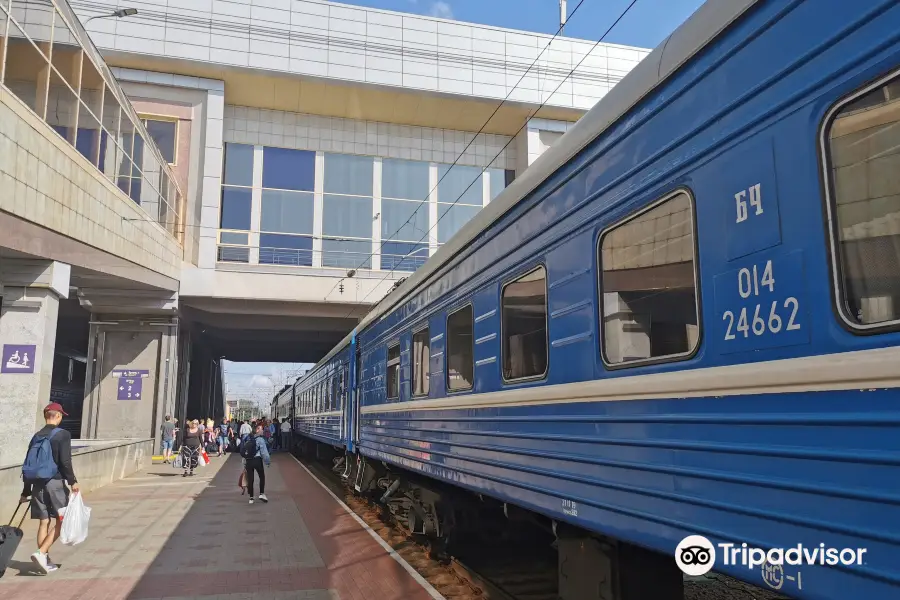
[188, 459]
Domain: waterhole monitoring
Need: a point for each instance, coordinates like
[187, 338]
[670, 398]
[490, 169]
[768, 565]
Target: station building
[241, 179]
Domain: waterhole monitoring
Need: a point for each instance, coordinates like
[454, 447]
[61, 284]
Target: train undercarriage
[453, 521]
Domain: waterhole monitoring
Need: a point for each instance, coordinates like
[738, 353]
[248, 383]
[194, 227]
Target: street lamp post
[122, 12]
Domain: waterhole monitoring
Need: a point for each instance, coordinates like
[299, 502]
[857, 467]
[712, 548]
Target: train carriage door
[351, 398]
[342, 401]
[356, 394]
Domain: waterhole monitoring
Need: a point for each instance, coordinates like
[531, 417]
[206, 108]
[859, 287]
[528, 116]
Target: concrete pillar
[30, 291]
[132, 376]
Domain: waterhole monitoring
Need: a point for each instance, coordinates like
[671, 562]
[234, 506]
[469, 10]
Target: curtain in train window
[421, 360]
[649, 291]
[864, 153]
[460, 350]
[393, 371]
[523, 306]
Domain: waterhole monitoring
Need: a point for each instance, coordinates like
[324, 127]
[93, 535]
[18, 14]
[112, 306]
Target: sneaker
[263, 498]
[50, 564]
[251, 502]
[40, 559]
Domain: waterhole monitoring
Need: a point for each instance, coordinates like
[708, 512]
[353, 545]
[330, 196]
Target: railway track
[510, 569]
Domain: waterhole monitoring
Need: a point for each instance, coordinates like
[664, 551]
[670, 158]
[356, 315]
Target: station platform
[158, 535]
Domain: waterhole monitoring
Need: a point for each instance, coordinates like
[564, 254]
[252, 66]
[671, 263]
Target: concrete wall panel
[47, 182]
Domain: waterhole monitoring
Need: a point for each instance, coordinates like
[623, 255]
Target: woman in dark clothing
[190, 448]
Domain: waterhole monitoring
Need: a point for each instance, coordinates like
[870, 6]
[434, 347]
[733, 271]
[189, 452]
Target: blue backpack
[39, 464]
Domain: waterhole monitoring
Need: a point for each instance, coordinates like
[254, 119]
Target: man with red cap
[47, 469]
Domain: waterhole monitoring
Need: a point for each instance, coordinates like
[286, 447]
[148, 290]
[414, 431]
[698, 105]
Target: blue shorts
[223, 441]
[167, 444]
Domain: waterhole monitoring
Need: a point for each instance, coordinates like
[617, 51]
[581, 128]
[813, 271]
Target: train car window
[460, 349]
[393, 371]
[649, 285]
[862, 152]
[421, 347]
[523, 306]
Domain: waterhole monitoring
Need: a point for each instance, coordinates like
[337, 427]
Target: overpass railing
[48, 61]
[234, 247]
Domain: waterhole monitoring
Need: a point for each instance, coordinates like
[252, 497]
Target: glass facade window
[67, 55]
[500, 179]
[238, 165]
[348, 220]
[404, 214]
[286, 212]
[460, 185]
[236, 203]
[278, 249]
[67, 85]
[62, 107]
[405, 179]
[287, 206]
[165, 133]
[452, 217]
[460, 197]
[285, 169]
[347, 211]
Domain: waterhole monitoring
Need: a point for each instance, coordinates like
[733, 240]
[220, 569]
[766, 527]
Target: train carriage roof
[693, 35]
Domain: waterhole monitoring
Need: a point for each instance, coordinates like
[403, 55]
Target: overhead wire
[597, 43]
[424, 202]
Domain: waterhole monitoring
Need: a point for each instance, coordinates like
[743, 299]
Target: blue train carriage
[681, 320]
[283, 404]
[320, 399]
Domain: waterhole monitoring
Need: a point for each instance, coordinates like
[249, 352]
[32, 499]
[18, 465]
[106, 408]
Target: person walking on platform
[223, 437]
[286, 435]
[254, 451]
[167, 431]
[273, 434]
[190, 448]
[46, 471]
[245, 430]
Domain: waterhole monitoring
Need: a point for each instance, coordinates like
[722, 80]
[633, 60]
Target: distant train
[682, 319]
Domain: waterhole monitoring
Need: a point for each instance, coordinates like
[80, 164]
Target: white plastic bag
[202, 461]
[178, 461]
[75, 521]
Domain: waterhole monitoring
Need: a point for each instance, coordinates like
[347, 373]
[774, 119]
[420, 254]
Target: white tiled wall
[331, 134]
[326, 39]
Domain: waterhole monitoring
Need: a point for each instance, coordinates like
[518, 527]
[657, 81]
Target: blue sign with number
[762, 304]
[750, 195]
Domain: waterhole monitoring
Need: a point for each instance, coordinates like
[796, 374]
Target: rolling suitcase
[10, 537]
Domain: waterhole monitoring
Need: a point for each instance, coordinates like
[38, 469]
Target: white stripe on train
[858, 370]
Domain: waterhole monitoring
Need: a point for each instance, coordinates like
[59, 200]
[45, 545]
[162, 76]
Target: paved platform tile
[156, 535]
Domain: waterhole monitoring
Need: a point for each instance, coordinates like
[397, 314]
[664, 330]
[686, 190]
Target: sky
[258, 381]
[645, 25]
